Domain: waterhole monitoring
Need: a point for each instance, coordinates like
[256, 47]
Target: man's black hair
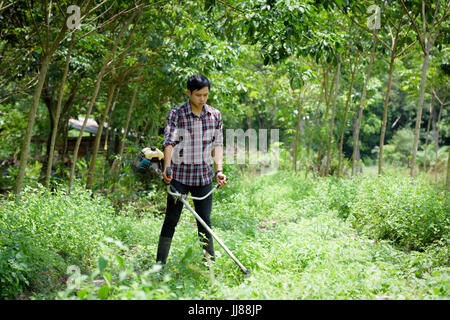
[197, 82]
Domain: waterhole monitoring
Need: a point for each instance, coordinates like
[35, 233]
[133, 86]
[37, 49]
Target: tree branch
[425, 23]
[365, 28]
[7, 6]
[434, 17]
[404, 50]
[437, 98]
[23, 89]
[230, 6]
[444, 16]
[34, 22]
[113, 18]
[415, 27]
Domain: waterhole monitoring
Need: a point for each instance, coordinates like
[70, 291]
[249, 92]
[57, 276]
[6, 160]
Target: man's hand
[168, 150]
[221, 179]
[166, 178]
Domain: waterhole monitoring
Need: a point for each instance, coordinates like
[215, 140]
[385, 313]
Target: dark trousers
[202, 207]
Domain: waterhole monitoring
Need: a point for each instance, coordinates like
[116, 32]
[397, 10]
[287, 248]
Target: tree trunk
[333, 115]
[64, 123]
[297, 134]
[328, 93]
[105, 145]
[98, 82]
[144, 130]
[117, 162]
[428, 132]
[426, 42]
[49, 103]
[437, 133]
[356, 157]
[98, 136]
[344, 121]
[25, 150]
[436, 143]
[447, 180]
[363, 104]
[314, 122]
[386, 104]
[108, 60]
[63, 118]
[423, 84]
[58, 113]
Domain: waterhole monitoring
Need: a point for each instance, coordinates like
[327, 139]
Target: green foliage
[403, 141]
[429, 156]
[323, 238]
[411, 214]
[12, 128]
[10, 173]
[303, 239]
[391, 156]
[43, 232]
[115, 278]
[340, 195]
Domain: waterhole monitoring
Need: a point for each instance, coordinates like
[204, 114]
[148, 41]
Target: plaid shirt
[193, 139]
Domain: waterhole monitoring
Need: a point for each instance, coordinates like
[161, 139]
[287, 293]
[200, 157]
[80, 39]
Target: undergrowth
[361, 238]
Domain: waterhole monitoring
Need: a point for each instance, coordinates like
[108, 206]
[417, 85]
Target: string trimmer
[183, 198]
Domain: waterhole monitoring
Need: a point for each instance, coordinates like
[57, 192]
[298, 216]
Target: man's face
[198, 97]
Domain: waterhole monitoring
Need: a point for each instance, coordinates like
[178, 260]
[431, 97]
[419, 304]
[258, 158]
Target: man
[193, 133]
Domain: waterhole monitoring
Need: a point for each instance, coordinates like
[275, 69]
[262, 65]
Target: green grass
[299, 237]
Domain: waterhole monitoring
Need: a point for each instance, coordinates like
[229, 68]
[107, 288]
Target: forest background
[355, 88]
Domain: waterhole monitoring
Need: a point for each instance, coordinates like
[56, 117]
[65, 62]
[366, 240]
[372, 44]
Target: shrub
[340, 194]
[390, 155]
[412, 214]
[403, 141]
[22, 263]
[113, 277]
[43, 232]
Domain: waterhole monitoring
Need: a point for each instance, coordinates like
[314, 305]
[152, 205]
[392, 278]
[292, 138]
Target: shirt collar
[206, 108]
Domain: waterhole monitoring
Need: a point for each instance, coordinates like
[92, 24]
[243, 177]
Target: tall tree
[346, 110]
[117, 161]
[333, 115]
[426, 38]
[372, 29]
[55, 119]
[398, 33]
[107, 64]
[117, 78]
[48, 48]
